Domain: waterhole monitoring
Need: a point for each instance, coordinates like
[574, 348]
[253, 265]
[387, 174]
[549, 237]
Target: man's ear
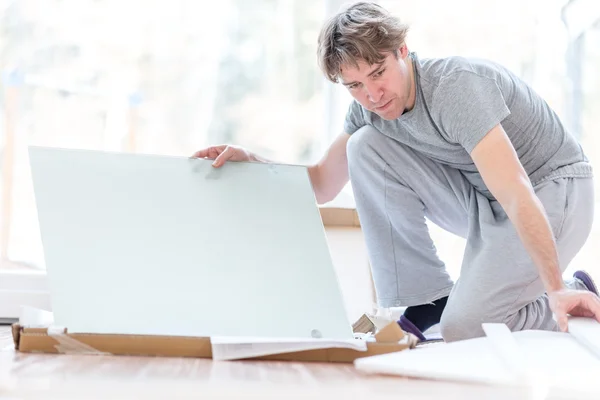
[403, 51]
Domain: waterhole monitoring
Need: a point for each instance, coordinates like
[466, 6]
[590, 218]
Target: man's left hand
[578, 303]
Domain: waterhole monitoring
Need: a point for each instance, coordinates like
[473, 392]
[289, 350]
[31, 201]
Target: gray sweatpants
[396, 188]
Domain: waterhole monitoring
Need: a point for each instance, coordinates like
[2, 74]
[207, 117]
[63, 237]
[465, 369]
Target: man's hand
[223, 153]
[578, 303]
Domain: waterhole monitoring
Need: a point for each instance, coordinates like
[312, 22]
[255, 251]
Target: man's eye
[378, 74]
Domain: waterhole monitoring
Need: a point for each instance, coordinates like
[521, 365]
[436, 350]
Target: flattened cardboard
[37, 340]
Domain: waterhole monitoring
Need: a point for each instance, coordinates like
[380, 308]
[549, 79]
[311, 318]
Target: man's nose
[374, 92]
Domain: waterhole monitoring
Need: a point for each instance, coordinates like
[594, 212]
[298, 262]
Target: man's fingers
[200, 154]
[210, 152]
[586, 304]
[214, 152]
[577, 303]
[593, 304]
[224, 156]
[223, 153]
[562, 320]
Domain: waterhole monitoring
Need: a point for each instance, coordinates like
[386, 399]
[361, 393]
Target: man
[469, 145]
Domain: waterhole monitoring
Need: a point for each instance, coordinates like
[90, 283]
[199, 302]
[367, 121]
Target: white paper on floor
[237, 348]
[547, 358]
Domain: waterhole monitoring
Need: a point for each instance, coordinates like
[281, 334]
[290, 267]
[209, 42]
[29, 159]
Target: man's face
[383, 88]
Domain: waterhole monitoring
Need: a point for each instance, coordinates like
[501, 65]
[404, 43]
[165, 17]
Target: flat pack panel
[146, 244]
[549, 359]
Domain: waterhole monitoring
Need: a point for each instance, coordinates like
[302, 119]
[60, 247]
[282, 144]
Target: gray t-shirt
[459, 100]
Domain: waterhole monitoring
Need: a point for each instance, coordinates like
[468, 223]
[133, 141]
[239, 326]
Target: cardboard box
[388, 339]
[44, 340]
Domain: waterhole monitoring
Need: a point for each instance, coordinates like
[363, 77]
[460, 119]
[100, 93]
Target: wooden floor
[32, 376]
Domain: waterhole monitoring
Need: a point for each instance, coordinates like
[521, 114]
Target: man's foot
[424, 316]
[409, 327]
[587, 281]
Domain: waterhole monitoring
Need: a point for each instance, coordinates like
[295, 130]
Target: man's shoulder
[435, 70]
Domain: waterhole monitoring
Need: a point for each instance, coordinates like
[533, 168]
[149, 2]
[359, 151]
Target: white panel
[551, 359]
[144, 244]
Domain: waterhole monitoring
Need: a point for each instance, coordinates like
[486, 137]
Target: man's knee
[363, 145]
[457, 324]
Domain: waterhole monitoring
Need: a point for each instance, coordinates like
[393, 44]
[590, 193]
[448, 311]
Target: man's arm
[502, 172]
[506, 178]
[330, 174]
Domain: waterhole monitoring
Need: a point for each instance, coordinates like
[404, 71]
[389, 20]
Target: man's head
[363, 47]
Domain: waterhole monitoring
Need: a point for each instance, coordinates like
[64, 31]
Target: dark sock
[426, 315]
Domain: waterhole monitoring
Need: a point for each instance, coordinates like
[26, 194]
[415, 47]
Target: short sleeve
[467, 106]
[354, 118]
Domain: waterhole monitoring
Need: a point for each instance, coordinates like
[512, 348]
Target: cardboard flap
[363, 325]
[390, 333]
[42, 331]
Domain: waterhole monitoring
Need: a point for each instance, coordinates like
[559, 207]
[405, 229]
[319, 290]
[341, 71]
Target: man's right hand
[222, 153]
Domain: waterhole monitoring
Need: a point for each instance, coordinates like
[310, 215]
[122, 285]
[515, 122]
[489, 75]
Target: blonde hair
[363, 31]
